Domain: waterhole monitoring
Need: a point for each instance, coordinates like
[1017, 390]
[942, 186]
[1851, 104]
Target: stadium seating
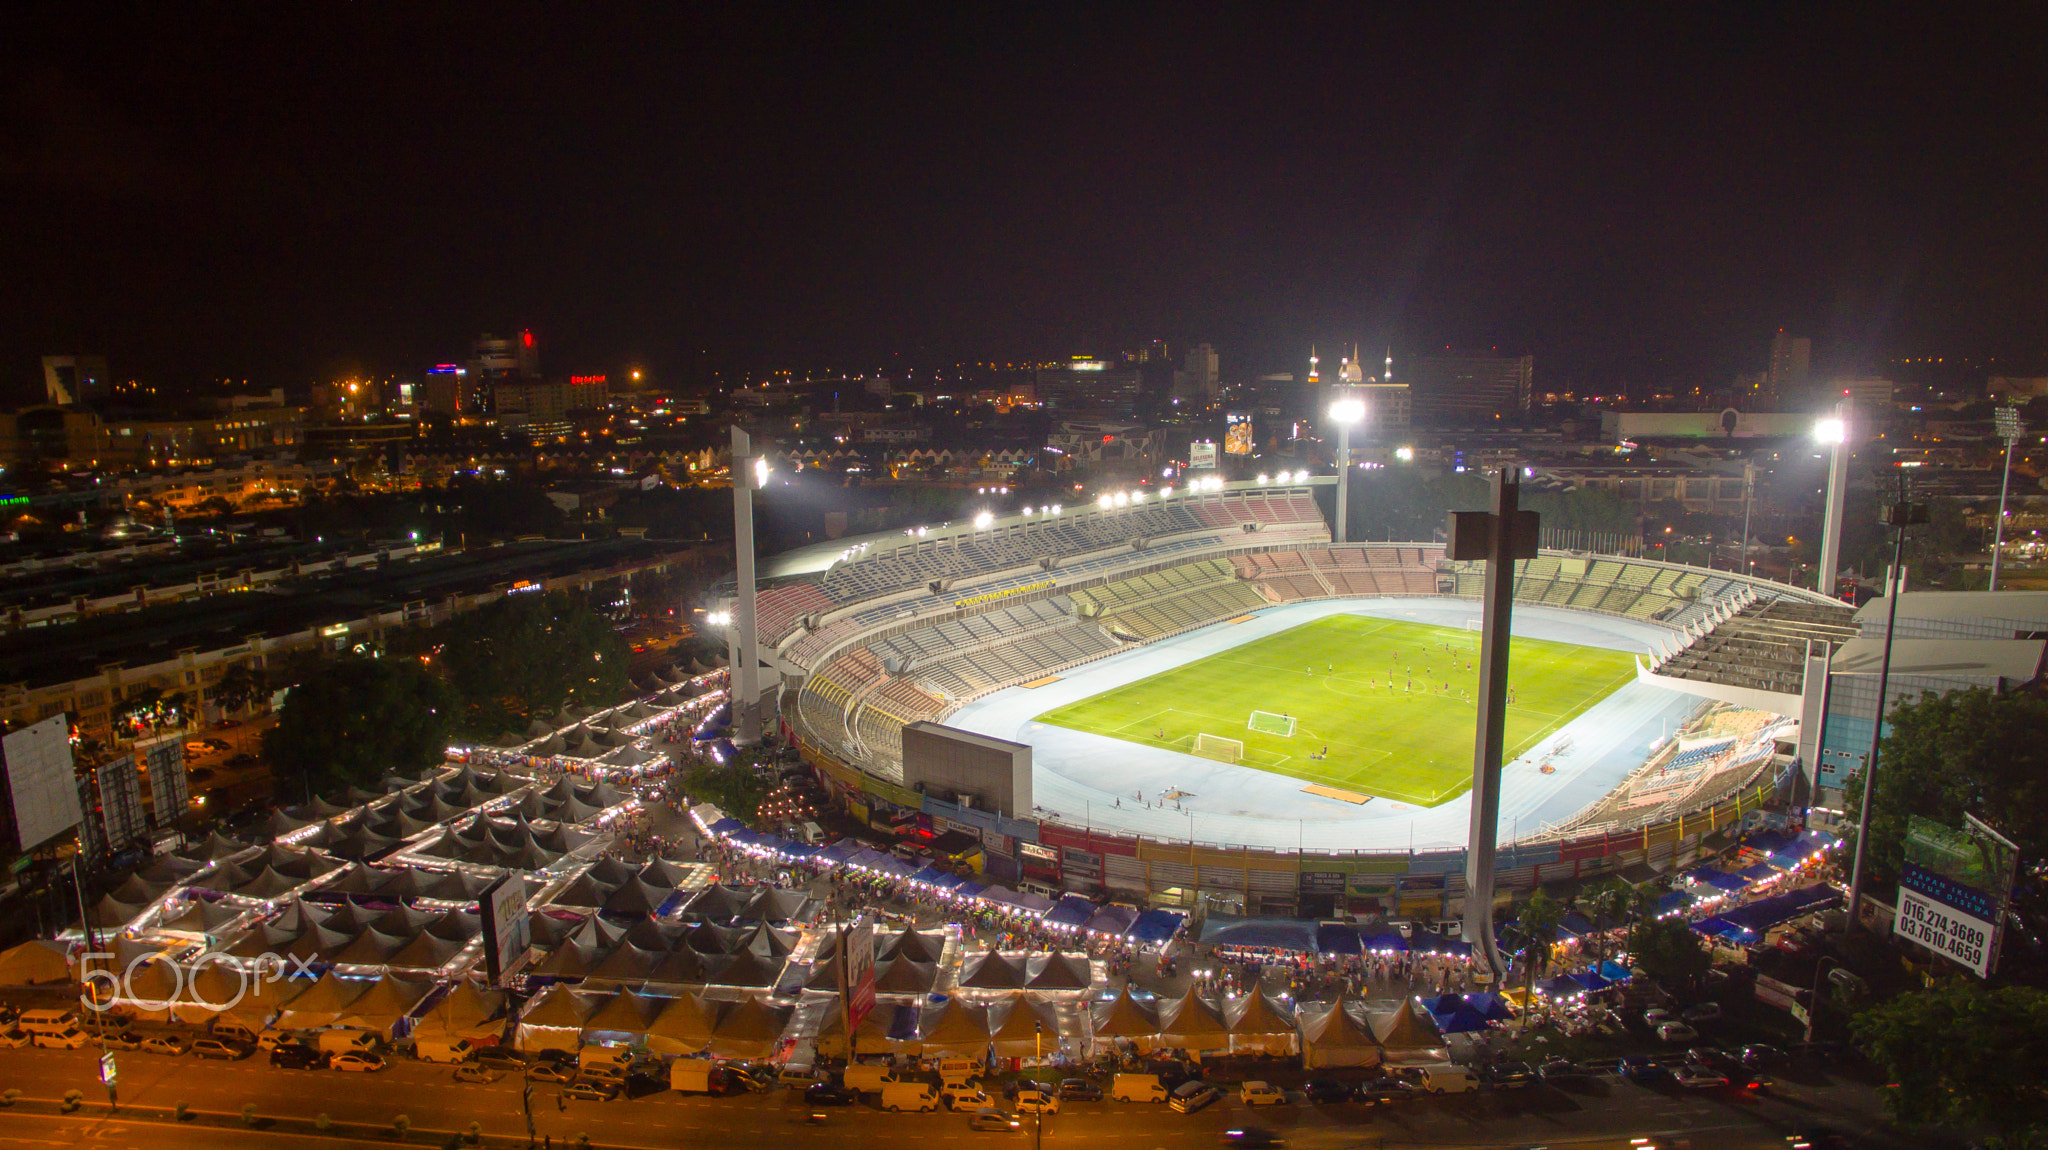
[779, 609]
[1764, 645]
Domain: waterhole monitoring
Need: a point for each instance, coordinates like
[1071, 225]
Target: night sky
[283, 192]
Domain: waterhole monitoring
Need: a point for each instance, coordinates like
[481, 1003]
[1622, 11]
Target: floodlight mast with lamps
[743, 640]
[2009, 429]
[1345, 411]
[1834, 431]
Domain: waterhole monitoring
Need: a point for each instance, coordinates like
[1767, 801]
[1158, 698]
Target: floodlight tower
[749, 473]
[1833, 431]
[2009, 429]
[1346, 410]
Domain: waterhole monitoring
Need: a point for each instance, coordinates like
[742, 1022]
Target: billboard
[1953, 890]
[163, 760]
[858, 953]
[1201, 455]
[508, 930]
[121, 802]
[41, 782]
[1237, 433]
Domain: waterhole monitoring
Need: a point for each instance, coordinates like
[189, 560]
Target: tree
[1537, 922]
[240, 687]
[1962, 1054]
[355, 720]
[1668, 950]
[1607, 901]
[527, 655]
[1968, 751]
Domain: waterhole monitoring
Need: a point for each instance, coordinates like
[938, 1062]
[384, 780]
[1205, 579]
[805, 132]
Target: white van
[608, 1061]
[867, 1077]
[48, 1021]
[70, 1038]
[228, 1030]
[1137, 1088]
[958, 1071]
[441, 1048]
[341, 1041]
[1448, 1080]
[919, 1096]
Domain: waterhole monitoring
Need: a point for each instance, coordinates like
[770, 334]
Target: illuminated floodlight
[718, 619]
[1137, 497]
[1122, 500]
[1528, 473]
[1405, 454]
[1105, 501]
[1055, 509]
[1166, 491]
[982, 520]
[1830, 431]
[1301, 476]
[1347, 410]
[761, 470]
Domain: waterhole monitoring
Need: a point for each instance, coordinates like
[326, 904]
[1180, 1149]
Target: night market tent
[666, 872]
[112, 914]
[719, 902]
[912, 945]
[1062, 972]
[1025, 1031]
[1453, 1014]
[995, 972]
[954, 1029]
[769, 942]
[1407, 1034]
[748, 1030]
[169, 868]
[1561, 988]
[1124, 1018]
[1720, 880]
[903, 976]
[37, 960]
[1112, 921]
[321, 1004]
[707, 939]
[1613, 971]
[388, 1000]
[628, 963]
[267, 938]
[1492, 1007]
[1337, 1039]
[218, 991]
[683, 1026]
[315, 810]
[151, 989]
[1291, 934]
[774, 904]
[427, 951]
[1156, 926]
[625, 1013]
[748, 970]
[1257, 1026]
[572, 959]
[581, 891]
[216, 847]
[371, 948]
[1335, 938]
[1194, 1026]
[679, 967]
[635, 897]
[823, 977]
[1071, 912]
[555, 1019]
[280, 823]
[870, 1036]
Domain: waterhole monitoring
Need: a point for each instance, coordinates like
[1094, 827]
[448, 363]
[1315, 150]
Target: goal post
[1268, 723]
[1219, 748]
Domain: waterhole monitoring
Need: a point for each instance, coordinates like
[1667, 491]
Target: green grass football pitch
[1393, 702]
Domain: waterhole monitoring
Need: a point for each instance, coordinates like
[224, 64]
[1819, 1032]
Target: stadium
[1221, 703]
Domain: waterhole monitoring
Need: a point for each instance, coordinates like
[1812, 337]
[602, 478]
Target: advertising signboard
[163, 760]
[121, 801]
[41, 782]
[1953, 890]
[859, 955]
[508, 930]
[1237, 433]
[1201, 455]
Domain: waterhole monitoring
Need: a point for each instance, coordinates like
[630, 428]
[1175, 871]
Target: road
[1605, 1113]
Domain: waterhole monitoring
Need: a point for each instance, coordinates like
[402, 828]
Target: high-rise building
[1470, 387]
[1198, 379]
[494, 361]
[1786, 377]
[75, 380]
[1085, 384]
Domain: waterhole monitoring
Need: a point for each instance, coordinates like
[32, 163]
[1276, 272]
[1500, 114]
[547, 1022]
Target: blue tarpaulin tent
[1453, 1014]
[1387, 941]
[1718, 879]
[1613, 971]
[1673, 901]
[1113, 921]
[1071, 911]
[1759, 872]
[1430, 942]
[1591, 979]
[1561, 987]
[1156, 926]
[969, 890]
[1766, 913]
[1295, 934]
[929, 874]
[1336, 938]
[1491, 1007]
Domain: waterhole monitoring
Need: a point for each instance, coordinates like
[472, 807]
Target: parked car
[166, 1044]
[1561, 1070]
[1695, 1077]
[499, 1058]
[1387, 1092]
[1637, 1068]
[13, 1037]
[1323, 1091]
[474, 1072]
[356, 1062]
[1189, 1097]
[1510, 1076]
[294, 1056]
[829, 1094]
[126, 1040]
[1711, 1057]
[1257, 1093]
[1675, 1032]
[1080, 1090]
[221, 1049]
[989, 1118]
[1037, 1100]
[965, 1097]
[1704, 1012]
[1657, 1016]
[1761, 1054]
[550, 1071]
[591, 1092]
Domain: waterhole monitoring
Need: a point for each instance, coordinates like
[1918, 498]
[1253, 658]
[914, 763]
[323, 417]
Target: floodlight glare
[1104, 502]
[1830, 431]
[1055, 509]
[1262, 479]
[984, 519]
[1122, 500]
[1405, 454]
[1347, 410]
[761, 471]
[1166, 491]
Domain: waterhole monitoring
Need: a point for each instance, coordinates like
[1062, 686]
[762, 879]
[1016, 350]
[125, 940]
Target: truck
[694, 1076]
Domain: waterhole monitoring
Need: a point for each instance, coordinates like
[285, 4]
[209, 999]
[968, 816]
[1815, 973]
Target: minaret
[1389, 376]
[1313, 375]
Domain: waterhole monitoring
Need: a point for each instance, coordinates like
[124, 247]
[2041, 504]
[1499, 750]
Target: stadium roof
[2018, 659]
[1960, 605]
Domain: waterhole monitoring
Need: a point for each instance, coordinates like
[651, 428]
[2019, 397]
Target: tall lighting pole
[1897, 516]
[1748, 487]
[2009, 429]
[749, 473]
[1345, 411]
[1835, 431]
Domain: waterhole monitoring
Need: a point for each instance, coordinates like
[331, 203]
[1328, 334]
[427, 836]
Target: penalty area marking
[1342, 796]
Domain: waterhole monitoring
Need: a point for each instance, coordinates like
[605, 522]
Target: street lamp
[1834, 432]
[2009, 429]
